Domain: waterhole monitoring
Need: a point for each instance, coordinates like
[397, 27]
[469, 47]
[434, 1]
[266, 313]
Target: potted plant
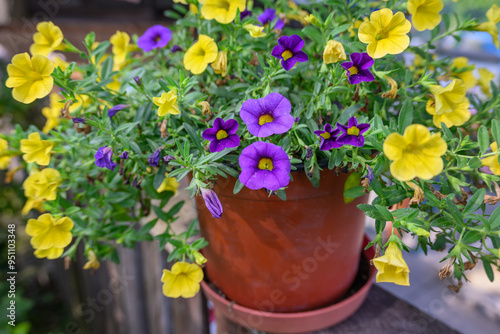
[283, 118]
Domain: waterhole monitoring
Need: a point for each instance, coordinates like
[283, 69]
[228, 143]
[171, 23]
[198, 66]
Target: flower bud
[334, 52]
[312, 20]
[220, 63]
[138, 81]
[212, 202]
[199, 258]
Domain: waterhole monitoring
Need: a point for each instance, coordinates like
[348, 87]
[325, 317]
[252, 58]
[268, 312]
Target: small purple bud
[136, 184]
[370, 175]
[176, 48]
[124, 155]
[245, 13]
[154, 159]
[168, 158]
[309, 153]
[78, 120]
[117, 108]
[103, 158]
[212, 202]
[296, 119]
[138, 81]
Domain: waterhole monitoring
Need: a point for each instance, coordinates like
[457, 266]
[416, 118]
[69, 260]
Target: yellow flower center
[221, 134]
[325, 135]
[353, 131]
[287, 54]
[353, 70]
[266, 163]
[225, 4]
[381, 35]
[265, 119]
[412, 148]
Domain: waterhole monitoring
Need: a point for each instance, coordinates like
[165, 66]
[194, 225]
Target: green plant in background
[239, 92]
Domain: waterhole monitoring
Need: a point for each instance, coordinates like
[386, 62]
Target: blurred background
[58, 297]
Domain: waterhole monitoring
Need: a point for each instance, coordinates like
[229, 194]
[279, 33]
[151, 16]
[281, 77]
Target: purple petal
[278, 51]
[231, 126]
[301, 56]
[209, 134]
[347, 65]
[352, 122]
[279, 25]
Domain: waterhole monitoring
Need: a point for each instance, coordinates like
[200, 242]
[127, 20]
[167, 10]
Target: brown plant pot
[284, 256]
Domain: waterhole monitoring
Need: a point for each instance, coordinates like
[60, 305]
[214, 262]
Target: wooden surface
[382, 313]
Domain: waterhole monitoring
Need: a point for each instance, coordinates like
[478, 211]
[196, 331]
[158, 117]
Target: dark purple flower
[138, 81]
[358, 69]
[212, 202]
[264, 165]
[268, 16]
[296, 119]
[157, 36]
[267, 116]
[117, 108]
[103, 158]
[124, 155]
[309, 153]
[176, 48]
[222, 135]
[168, 158]
[245, 13]
[328, 138]
[78, 120]
[352, 133]
[154, 159]
[289, 51]
[369, 175]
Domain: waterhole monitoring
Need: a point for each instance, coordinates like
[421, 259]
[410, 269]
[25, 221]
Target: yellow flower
[52, 113]
[425, 13]
[200, 54]
[223, 11]
[490, 26]
[42, 184]
[59, 62]
[199, 258]
[167, 103]
[385, 33]
[312, 20]
[485, 77]
[36, 150]
[392, 267]
[416, 153]
[194, 9]
[183, 281]
[120, 42]
[49, 253]
[220, 63]
[4, 157]
[32, 203]
[255, 31]
[181, 1]
[93, 262]
[47, 232]
[30, 77]
[492, 161]
[467, 76]
[355, 25]
[334, 52]
[393, 92]
[168, 184]
[449, 105]
[48, 38]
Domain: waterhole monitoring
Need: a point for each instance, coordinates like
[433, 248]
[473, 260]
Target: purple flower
[168, 158]
[296, 119]
[117, 108]
[358, 69]
[352, 133]
[268, 16]
[222, 135]
[157, 36]
[264, 165]
[328, 138]
[138, 81]
[103, 158]
[124, 155]
[154, 159]
[369, 175]
[245, 13]
[289, 51]
[212, 202]
[176, 48]
[267, 116]
[78, 120]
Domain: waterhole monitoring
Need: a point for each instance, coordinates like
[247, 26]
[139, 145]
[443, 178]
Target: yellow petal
[393, 146]
[49, 253]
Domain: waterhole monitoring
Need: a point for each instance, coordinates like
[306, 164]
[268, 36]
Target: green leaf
[495, 130]
[475, 163]
[159, 177]
[386, 214]
[237, 187]
[405, 117]
[107, 68]
[457, 215]
[495, 218]
[194, 136]
[352, 189]
[348, 113]
[488, 270]
[471, 237]
[483, 139]
[474, 202]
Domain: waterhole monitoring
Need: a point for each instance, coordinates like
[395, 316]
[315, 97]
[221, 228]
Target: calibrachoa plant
[233, 90]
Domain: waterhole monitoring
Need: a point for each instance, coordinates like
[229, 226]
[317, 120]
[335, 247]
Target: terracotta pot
[299, 322]
[284, 256]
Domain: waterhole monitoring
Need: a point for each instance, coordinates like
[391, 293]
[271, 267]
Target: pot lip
[358, 295]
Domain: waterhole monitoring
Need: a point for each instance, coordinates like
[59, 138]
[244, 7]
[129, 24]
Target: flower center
[353, 70]
[225, 5]
[265, 119]
[157, 38]
[221, 134]
[353, 131]
[266, 163]
[287, 54]
[381, 35]
[326, 135]
[412, 149]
